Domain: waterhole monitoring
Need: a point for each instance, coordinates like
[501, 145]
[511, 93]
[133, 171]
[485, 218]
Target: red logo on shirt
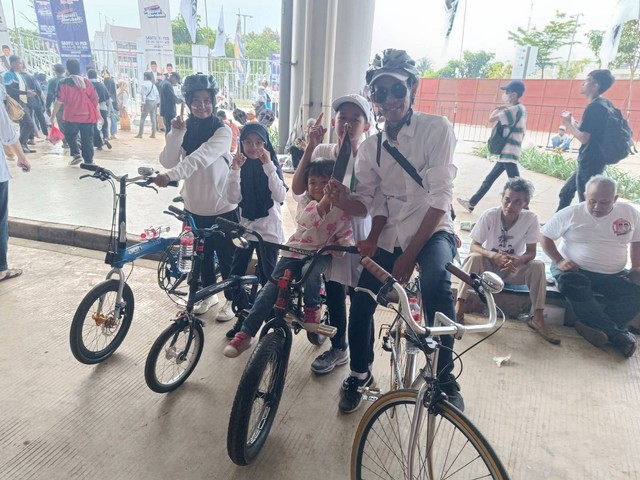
[621, 226]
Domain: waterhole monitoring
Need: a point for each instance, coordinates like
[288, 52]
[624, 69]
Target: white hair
[602, 180]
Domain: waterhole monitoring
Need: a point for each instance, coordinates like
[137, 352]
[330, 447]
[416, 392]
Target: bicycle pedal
[370, 394]
[326, 330]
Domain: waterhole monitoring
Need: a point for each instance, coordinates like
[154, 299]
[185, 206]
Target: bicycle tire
[316, 339]
[165, 355]
[465, 455]
[263, 379]
[94, 341]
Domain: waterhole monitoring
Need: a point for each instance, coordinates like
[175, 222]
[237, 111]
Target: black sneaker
[451, 388]
[350, 397]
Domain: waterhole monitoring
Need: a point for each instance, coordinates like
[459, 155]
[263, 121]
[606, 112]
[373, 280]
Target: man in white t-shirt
[504, 241]
[590, 260]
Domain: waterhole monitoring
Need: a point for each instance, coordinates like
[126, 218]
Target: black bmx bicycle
[262, 382]
[176, 352]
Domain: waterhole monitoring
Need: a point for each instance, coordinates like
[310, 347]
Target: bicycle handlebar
[450, 327]
[104, 173]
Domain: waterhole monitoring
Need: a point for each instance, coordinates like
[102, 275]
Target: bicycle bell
[146, 171]
[492, 282]
[240, 242]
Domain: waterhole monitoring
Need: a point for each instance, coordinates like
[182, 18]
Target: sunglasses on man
[380, 94]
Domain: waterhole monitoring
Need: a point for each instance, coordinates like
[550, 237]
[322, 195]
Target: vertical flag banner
[623, 11]
[218, 49]
[71, 30]
[189, 11]
[4, 29]
[157, 38]
[275, 71]
[46, 24]
[238, 54]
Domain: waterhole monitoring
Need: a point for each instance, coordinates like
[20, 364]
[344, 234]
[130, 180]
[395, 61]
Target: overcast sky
[415, 25]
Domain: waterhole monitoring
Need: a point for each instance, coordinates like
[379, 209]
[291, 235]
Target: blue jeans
[4, 224]
[618, 305]
[496, 171]
[435, 284]
[269, 293]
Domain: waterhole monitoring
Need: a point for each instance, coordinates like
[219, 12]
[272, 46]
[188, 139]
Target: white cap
[358, 100]
[562, 127]
[395, 74]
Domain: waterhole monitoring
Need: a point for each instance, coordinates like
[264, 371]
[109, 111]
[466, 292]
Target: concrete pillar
[285, 73]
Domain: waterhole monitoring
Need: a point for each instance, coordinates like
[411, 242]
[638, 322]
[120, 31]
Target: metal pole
[636, 60]
[15, 27]
[284, 117]
[464, 23]
[573, 35]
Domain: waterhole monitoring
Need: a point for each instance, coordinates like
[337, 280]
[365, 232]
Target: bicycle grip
[225, 224]
[90, 166]
[461, 274]
[175, 210]
[374, 269]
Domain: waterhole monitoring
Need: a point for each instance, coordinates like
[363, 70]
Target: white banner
[155, 23]
[623, 11]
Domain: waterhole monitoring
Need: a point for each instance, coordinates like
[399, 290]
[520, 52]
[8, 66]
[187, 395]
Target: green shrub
[558, 166]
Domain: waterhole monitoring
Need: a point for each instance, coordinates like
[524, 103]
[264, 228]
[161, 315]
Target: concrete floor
[552, 412]
[567, 412]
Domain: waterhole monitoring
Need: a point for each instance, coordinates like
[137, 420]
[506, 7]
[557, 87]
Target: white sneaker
[203, 306]
[226, 313]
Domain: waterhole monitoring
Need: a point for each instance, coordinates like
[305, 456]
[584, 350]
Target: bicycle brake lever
[85, 176]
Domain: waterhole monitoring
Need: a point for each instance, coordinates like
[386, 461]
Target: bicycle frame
[485, 286]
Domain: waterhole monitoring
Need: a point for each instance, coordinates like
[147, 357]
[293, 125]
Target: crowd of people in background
[395, 201]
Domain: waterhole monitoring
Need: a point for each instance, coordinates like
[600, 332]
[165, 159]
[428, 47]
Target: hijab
[199, 130]
[254, 183]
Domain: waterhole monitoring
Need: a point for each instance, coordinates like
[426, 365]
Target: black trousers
[27, 127]
[577, 182]
[86, 139]
[496, 171]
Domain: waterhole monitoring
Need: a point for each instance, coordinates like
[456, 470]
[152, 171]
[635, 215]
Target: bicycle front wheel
[169, 363]
[456, 449]
[257, 399]
[100, 324]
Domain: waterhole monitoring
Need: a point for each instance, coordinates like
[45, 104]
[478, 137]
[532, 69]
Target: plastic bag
[55, 135]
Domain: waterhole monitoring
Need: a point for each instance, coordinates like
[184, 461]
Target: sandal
[545, 332]
[10, 273]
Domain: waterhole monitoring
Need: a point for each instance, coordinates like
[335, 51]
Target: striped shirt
[511, 151]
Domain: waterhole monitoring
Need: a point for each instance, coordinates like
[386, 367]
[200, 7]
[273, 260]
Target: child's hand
[368, 247]
[324, 205]
[238, 161]
[336, 192]
[317, 132]
[264, 156]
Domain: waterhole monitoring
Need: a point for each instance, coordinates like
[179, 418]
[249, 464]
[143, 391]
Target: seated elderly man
[504, 241]
[591, 259]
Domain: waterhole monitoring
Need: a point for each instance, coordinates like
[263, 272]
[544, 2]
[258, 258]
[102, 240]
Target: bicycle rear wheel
[457, 450]
[257, 399]
[168, 364]
[99, 327]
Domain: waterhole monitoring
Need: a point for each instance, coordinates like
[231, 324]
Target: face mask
[505, 97]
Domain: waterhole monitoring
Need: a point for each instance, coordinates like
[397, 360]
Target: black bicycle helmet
[392, 60]
[197, 82]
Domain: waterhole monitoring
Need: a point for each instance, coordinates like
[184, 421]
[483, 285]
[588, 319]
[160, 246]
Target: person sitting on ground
[300, 144]
[561, 142]
[319, 223]
[504, 241]
[197, 151]
[590, 260]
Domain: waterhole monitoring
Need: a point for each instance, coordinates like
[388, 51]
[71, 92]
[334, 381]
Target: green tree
[204, 35]
[575, 67]
[500, 70]
[628, 51]
[476, 64]
[453, 69]
[556, 34]
[261, 45]
[423, 65]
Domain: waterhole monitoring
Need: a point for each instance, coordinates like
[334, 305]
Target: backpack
[617, 136]
[497, 139]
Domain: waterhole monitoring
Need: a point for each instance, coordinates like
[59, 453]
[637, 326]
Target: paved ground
[567, 412]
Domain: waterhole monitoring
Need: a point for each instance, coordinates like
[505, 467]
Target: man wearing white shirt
[150, 99]
[409, 201]
[591, 258]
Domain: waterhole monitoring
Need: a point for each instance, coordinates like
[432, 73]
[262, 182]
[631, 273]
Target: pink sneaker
[237, 345]
[312, 318]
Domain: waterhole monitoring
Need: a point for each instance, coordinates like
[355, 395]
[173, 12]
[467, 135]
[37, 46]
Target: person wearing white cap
[353, 115]
[561, 142]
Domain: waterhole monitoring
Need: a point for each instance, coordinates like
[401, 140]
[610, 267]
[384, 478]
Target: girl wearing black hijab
[197, 151]
[255, 183]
